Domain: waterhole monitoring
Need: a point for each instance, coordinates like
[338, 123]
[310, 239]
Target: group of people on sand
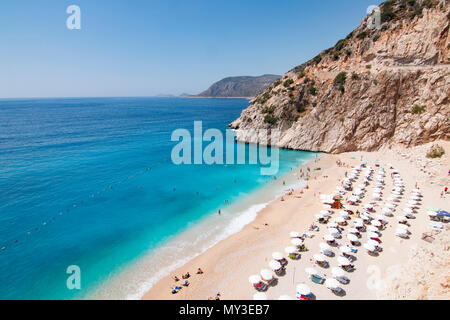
[186, 283]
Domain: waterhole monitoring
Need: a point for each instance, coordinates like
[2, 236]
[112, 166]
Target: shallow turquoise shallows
[90, 182]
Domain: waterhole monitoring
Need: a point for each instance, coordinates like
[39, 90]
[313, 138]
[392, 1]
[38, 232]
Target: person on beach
[219, 212]
[199, 271]
[176, 279]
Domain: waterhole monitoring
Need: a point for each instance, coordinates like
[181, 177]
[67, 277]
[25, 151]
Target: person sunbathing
[199, 271]
[186, 276]
[176, 279]
[186, 283]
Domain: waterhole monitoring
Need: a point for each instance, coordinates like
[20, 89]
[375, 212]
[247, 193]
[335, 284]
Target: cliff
[239, 86]
[377, 88]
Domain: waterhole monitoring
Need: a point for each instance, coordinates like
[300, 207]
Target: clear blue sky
[148, 47]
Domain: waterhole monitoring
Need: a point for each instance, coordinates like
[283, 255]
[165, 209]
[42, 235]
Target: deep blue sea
[90, 182]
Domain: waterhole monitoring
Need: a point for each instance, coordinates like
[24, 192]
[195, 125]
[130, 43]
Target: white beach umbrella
[402, 226]
[353, 231]
[380, 217]
[266, 274]
[340, 220]
[325, 212]
[333, 230]
[328, 237]
[303, 289]
[285, 297]
[377, 194]
[400, 231]
[390, 205]
[373, 243]
[311, 271]
[274, 265]
[254, 279]
[408, 210]
[260, 296]
[331, 283]
[332, 225]
[386, 210]
[402, 218]
[344, 214]
[294, 234]
[388, 213]
[324, 246]
[377, 223]
[431, 213]
[343, 261]
[319, 257]
[290, 250]
[335, 235]
[297, 242]
[277, 256]
[372, 229]
[319, 216]
[352, 237]
[371, 235]
[337, 272]
[358, 224]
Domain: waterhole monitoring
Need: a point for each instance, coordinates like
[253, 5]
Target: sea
[92, 205]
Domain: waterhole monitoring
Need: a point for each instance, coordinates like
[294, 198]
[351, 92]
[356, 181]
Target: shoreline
[228, 264]
[145, 271]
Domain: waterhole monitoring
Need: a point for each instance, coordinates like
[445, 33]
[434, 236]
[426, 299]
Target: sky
[151, 47]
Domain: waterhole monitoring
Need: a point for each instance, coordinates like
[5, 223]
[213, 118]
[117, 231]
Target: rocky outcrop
[377, 87]
[239, 86]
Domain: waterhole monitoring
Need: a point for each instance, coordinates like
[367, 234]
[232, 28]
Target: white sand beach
[405, 268]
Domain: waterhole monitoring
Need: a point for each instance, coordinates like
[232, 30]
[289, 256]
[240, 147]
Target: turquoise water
[90, 182]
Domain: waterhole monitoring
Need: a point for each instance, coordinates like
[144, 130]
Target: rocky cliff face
[376, 88]
[239, 86]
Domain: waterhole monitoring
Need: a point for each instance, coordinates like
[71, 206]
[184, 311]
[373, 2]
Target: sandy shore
[229, 263]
